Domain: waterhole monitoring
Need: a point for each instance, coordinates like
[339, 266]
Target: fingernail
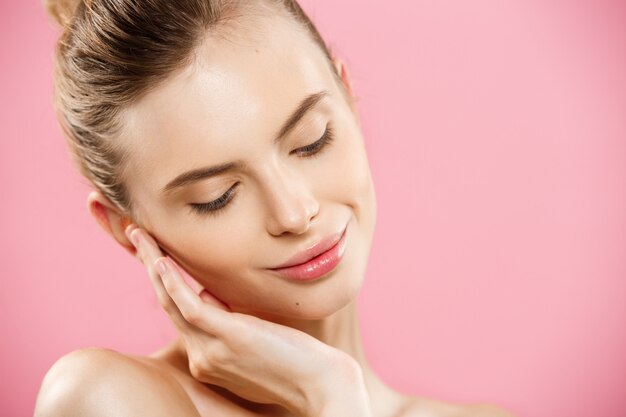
[161, 266]
[129, 229]
[134, 238]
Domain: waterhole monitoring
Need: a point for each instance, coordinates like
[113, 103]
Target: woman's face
[229, 106]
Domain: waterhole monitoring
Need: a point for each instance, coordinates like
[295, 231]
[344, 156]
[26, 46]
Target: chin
[312, 310]
[324, 305]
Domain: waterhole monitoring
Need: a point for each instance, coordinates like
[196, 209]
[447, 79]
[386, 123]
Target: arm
[104, 383]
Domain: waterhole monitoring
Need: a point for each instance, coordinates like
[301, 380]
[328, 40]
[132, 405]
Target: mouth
[316, 261]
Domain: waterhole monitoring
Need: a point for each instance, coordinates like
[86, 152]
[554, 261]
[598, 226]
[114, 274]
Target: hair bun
[61, 10]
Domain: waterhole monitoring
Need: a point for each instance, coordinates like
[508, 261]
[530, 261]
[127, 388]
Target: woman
[223, 140]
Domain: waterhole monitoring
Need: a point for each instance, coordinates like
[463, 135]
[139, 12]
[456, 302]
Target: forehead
[237, 91]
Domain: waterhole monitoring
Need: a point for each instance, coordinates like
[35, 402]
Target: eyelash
[309, 151]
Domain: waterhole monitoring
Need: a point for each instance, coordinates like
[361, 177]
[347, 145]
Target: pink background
[497, 139]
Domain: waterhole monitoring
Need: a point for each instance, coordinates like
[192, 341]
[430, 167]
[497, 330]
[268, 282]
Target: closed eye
[212, 207]
[315, 147]
[309, 151]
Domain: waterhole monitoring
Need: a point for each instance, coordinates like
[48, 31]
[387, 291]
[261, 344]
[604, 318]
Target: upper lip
[313, 250]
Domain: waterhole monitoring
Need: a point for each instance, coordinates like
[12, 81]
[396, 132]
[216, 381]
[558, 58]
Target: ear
[110, 219]
[342, 70]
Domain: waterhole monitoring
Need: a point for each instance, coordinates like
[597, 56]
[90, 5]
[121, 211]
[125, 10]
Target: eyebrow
[201, 173]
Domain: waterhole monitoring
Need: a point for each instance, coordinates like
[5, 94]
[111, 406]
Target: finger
[212, 317]
[148, 251]
[207, 297]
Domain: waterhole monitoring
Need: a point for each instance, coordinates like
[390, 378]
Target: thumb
[209, 298]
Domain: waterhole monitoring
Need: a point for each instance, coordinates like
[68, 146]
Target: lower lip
[318, 266]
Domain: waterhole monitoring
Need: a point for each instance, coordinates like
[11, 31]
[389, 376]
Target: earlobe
[110, 219]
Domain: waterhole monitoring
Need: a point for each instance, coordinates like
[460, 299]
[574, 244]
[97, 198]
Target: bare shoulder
[98, 382]
[428, 407]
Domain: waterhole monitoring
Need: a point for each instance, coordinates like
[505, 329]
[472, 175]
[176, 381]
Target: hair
[111, 52]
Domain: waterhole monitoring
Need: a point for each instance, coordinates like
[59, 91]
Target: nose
[292, 206]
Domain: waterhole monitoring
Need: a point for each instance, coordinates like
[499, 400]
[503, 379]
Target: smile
[318, 266]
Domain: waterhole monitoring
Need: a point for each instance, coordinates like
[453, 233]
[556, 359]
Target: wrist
[339, 391]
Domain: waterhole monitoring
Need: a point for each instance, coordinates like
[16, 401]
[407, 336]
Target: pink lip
[315, 261]
[313, 251]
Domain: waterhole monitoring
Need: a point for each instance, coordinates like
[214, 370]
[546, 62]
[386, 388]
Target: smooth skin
[251, 343]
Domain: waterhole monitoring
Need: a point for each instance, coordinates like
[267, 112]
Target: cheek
[351, 177]
[209, 260]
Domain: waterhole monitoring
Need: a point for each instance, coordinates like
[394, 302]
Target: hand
[256, 359]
